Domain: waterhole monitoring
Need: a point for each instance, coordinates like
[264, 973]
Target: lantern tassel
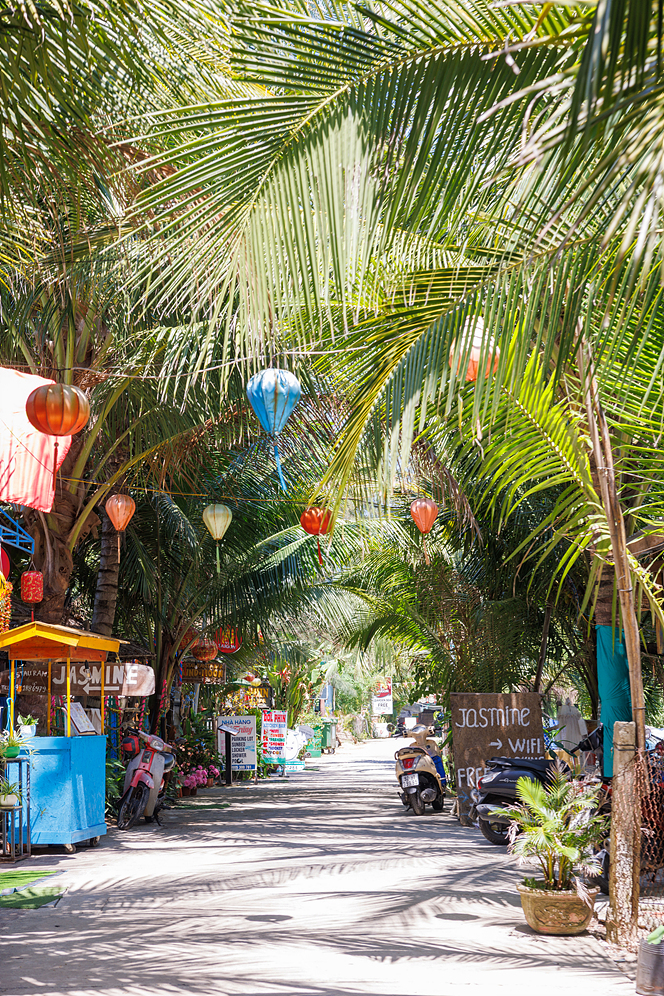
[55, 463]
[426, 555]
[217, 551]
[278, 462]
[118, 549]
[320, 559]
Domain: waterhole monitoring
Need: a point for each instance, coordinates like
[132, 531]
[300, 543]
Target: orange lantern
[120, 509]
[424, 512]
[204, 649]
[57, 410]
[474, 327]
[316, 521]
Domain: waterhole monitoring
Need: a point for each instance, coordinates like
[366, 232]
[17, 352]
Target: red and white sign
[227, 640]
[273, 735]
[381, 700]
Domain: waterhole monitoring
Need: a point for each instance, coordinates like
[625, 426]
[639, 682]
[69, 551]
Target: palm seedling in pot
[10, 795]
[557, 825]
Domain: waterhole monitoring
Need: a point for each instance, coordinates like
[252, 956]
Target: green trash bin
[314, 746]
[329, 736]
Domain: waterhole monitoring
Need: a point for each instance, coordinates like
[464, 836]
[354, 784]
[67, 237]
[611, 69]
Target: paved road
[318, 885]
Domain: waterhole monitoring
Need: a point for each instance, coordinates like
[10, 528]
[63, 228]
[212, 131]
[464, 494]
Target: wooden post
[622, 920]
[68, 693]
[12, 693]
[48, 699]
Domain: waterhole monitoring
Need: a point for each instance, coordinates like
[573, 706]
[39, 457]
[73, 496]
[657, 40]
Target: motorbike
[496, 789]
[420, 773]
[145, 782]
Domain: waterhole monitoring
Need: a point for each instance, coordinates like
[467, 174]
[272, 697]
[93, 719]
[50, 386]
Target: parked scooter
[497, 788]
[144, 783]
[420, 773]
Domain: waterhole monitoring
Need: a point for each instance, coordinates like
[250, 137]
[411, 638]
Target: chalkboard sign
[493, 724]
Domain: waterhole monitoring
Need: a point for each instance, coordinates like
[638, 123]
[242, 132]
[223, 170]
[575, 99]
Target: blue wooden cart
[68, 774]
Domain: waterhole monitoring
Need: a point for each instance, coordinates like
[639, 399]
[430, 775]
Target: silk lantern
[57, 410]
[204, 649]
[217, 518]
[316, 521]
[273, 395]
[473, 329]
[424, 512]
[32, 588]
[120, 509]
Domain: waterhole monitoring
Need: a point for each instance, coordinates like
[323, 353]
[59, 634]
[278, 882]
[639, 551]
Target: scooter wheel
[417, 804]
[132, 805]
[496, 833]
[438, 804]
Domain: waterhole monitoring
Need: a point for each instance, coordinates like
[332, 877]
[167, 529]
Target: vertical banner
[273, 736]
[381, 700]
[243, 745]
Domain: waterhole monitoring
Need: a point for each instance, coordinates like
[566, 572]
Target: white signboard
[273, 738]
[381, 701]
[243, 744]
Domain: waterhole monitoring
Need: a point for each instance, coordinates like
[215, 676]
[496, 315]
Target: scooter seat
[169, 761]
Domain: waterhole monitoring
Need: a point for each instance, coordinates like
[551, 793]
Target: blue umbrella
[273, 395]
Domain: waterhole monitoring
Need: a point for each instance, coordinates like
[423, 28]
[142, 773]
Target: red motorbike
[145, 778]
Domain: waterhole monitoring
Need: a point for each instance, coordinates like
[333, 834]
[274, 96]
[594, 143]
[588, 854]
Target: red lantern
[424, 512]
[57, 410]
[32, 588]
[120, 509]
[475, 327]
[204, 649]
[227, 640]
[316, 521]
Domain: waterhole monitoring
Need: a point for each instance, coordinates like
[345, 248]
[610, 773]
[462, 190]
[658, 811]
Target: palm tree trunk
[106, 594]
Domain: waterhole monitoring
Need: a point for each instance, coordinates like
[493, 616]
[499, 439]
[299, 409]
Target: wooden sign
[129, 678]
[493, 724]
[203, 673]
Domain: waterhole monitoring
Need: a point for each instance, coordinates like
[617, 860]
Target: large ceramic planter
[556, 912]
[8, 801]
[650, 970]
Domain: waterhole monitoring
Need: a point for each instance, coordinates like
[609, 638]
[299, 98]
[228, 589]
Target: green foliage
[9, 788]
[115, 774]
[557, 825]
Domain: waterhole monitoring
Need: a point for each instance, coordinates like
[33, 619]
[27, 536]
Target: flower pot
[186, 790]
[650, 970]
[11, 750]
[193, 791]
[210, 782]
[556, 912]
[28, 732]
[8, 801]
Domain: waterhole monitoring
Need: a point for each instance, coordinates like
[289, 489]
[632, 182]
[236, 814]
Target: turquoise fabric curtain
[613, 684]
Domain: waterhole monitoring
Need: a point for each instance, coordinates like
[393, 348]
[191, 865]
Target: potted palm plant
[558, 826]
[10, 795]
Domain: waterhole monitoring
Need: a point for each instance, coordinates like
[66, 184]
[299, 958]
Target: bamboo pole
[621, 923]
[603, 453]
[69, 693]
[48, 699]
[12, 693]
[103, 709]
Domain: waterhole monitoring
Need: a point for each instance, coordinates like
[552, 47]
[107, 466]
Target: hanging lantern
[57, 410]
[5, 565]
[227, 640]
[32, 588]
[6, 606]
[120, 509]
[204, 649]
[273, 395]
[473, 328]
[217, 518]
[316, 521]
[424, 512]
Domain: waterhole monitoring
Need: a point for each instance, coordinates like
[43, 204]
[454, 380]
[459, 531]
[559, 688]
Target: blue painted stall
[67, 789]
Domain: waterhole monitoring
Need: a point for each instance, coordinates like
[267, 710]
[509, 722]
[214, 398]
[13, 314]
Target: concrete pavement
[316, 885]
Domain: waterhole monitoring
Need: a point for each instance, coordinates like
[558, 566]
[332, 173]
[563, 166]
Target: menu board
[273, 738]
[243, 744]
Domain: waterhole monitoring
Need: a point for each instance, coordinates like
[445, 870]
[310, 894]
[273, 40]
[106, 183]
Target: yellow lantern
[217, 518]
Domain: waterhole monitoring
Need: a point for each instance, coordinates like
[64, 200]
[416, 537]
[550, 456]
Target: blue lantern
[273, 395]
